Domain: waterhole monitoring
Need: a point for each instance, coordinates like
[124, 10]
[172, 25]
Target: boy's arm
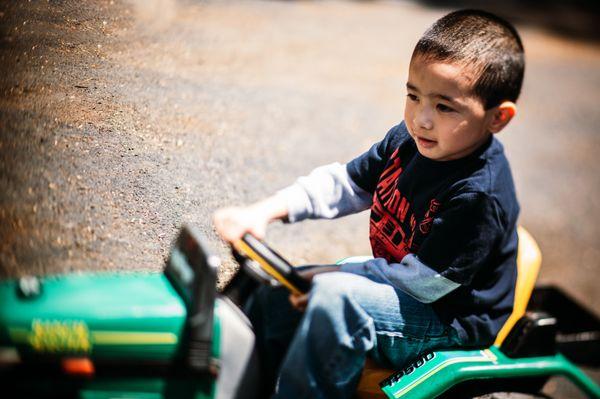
[410, 275]
[328, 192]
[233, 222]
[336, 190]
[463, 236]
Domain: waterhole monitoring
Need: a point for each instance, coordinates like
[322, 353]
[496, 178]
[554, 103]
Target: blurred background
[121, 120]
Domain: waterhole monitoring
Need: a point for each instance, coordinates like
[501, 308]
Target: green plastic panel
[192, 387]
[132, 316]
[431, 376]
[150, 388]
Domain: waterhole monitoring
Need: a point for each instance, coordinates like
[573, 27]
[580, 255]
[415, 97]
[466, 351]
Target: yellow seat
[529, 260]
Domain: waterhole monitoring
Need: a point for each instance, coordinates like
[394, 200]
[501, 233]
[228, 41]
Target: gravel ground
[121, 121]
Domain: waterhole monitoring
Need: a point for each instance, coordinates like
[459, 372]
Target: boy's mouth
[426, 143]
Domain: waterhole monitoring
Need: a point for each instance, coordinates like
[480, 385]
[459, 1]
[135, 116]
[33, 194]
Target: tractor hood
[133, 316]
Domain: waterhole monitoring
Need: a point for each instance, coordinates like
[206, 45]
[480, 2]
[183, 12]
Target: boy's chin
[434, 155]
[429, 152]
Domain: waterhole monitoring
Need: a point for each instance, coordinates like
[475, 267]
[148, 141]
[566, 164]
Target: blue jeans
[320, 353]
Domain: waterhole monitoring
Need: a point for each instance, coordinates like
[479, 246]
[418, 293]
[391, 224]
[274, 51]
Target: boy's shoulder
[489, 175]
[397, 137]
[491, 172]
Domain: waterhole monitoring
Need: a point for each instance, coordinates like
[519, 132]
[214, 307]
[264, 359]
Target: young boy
[442, 227]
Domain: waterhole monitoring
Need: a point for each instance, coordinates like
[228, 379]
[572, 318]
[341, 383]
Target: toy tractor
[172, 335]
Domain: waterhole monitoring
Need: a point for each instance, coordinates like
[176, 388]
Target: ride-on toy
[171, 335]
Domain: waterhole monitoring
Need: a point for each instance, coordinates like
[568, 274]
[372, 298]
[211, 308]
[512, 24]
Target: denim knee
[329, 285]
[335, 283]
[332, 305]
[336, 334]
[329, 293]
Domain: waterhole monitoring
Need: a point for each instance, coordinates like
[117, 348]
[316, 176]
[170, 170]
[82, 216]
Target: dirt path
[120, 121]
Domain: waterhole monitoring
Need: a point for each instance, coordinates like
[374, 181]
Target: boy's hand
[233, 222]
[300, 301]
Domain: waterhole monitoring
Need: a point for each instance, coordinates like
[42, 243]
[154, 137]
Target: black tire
[511, 388]
[513, 395]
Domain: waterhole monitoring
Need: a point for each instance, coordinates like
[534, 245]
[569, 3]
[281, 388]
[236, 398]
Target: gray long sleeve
[327, 192]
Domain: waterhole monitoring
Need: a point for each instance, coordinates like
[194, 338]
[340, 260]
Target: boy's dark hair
[484, 41]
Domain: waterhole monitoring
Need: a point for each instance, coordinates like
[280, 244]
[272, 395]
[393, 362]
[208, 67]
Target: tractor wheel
[513, 395]
[514, 388]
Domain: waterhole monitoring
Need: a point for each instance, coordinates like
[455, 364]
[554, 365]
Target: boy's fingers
[259, 232]
[228, 223]
[233, 222]
[299, 301]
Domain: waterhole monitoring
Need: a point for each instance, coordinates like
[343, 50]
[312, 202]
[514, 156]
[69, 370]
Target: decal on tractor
[420, 361]
[59, 336]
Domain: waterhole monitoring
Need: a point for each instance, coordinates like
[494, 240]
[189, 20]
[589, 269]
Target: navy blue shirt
[458, 217]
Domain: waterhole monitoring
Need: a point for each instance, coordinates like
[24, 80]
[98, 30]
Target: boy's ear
[502, 114]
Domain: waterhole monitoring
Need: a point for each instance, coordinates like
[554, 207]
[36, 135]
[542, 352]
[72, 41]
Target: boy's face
[442, 114]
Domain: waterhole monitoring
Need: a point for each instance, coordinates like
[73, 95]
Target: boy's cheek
[408, 116]
[409, 126]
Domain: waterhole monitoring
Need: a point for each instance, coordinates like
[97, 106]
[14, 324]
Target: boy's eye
[412, 97]
[444, 108]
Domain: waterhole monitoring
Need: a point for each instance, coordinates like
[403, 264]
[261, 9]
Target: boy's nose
[423, 120]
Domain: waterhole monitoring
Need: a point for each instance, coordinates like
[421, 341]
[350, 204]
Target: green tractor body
[129, 328]
[171, 335]
[131, 318]
[125, 335]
